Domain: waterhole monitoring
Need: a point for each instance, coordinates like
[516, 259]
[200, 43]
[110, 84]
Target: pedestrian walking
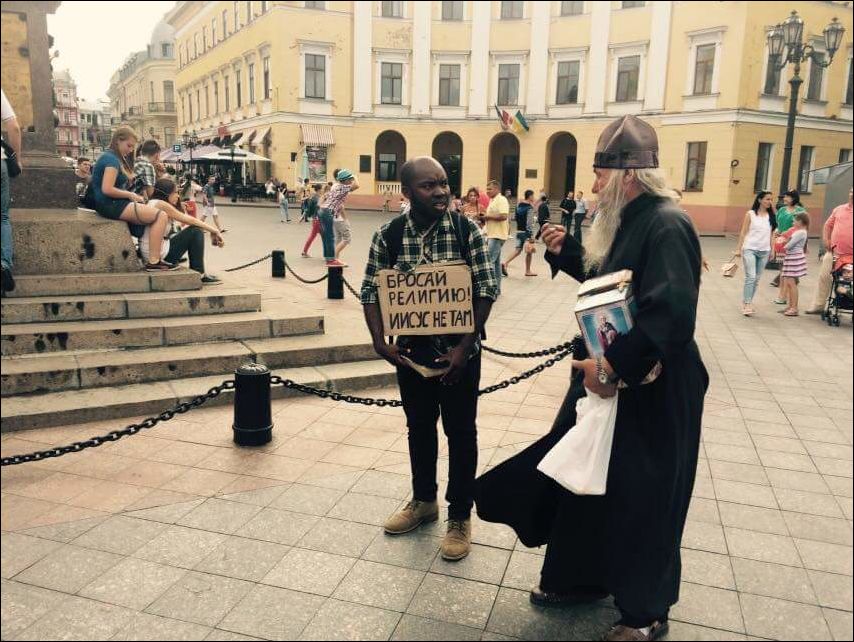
[838, 236]
[10, 153]
[794, 262]
[754, 245]
[429, 233]
[472, 209]
[343, 235]
[497, 219]
[284, 214]
[311, 206]
[567, 209]
[332, 202]
[579, 215]
[544, 214]
[209, 203]
[524, 233]
[625, 543]
[785, 219]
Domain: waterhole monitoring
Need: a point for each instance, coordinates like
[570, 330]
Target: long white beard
[609, 215]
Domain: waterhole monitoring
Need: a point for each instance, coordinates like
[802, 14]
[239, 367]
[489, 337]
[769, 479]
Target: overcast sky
[94, 38]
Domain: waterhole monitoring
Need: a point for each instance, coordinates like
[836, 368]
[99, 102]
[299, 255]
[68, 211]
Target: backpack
[393, 237]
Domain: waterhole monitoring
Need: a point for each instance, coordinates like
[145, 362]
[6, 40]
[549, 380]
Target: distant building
[68, 128]
[95, 131]
[142, 91]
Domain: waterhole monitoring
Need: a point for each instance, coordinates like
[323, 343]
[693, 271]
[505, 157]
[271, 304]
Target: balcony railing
[168, 108]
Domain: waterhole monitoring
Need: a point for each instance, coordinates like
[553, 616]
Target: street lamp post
[190, 140]
[785, 45]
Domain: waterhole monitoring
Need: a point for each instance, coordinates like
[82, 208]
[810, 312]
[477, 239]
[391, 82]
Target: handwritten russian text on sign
[432, 299]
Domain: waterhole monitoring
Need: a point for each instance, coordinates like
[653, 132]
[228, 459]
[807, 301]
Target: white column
[421, 72]
[362, 37]
[597, 77]
[659, 49]
[481, 22]
[538, 61]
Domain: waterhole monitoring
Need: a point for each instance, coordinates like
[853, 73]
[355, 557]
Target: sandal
[791, 313]
[621, 632]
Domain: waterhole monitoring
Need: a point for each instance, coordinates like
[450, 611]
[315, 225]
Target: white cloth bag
[579, 461]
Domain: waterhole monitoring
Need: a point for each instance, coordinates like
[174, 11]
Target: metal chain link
[531, 355]
[115, 435]
[302, 280]
[353, 290]
[255, 262]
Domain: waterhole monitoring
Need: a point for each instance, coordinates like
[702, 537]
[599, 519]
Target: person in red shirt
[838, 233]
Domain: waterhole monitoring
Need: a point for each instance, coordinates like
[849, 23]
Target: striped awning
[261, 134]
[317, 135]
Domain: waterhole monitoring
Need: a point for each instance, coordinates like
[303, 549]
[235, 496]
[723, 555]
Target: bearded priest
[625, 543]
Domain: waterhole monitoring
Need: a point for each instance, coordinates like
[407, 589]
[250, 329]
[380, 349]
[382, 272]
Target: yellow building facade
[316, 86]
[142, 90]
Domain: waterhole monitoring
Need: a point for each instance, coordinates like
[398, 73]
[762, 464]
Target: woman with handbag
[754, 245]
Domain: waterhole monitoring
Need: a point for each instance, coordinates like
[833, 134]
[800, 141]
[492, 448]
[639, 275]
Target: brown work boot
[411, 517]
[457, 542]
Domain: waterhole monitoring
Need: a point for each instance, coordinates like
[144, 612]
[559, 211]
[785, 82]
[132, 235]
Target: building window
[452, 11]
[251, 83]
[207, 102]
[449, 85]
[844, 155]
[508, 84]
[392, 10]
[315, 76]
[772, 76]
[633, 5]
[804, 167]
[849, 88]
[512, 10]
[166, 49]
[571, 8]
[763, 167]
[151, 90]
[704, 67]
[628, 73]
[249, 15]
[216, 96]
[204, 39]
[696, 167]
[189, 109]
[199, 104]
[169, 94]
[816, 77]
[213, 32]
[391, 83]
[387, 167]
[267, 89]
[238, 88]
[567, 82]
[236, 11]
[226, 95]
[315, 5]
[168, 136]
[264, 6]
[224, 24]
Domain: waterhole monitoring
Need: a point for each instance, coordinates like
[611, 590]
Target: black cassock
[627, 541]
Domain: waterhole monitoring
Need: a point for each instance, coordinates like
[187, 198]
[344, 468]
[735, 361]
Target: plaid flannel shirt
[439, 243]
[144, 174]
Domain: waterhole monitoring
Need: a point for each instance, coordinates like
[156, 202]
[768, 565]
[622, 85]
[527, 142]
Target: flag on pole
[521, 122]
[504, 117]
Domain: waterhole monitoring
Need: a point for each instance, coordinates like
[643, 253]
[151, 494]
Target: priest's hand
[553, 237]
[591, 378]
[457, 357]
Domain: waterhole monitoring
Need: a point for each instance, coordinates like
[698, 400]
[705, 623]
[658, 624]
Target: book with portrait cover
[605, 310]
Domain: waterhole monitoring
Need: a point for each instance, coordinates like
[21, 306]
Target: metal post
[253, 423]
[279, 264]
[795, 83]
[335, 283]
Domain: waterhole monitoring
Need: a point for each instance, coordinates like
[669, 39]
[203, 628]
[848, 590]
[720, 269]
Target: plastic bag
[579, 461]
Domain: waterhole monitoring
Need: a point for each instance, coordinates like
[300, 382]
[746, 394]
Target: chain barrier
[255, 262]
[353, 290]
[531, 355]
[115, 435]
[301, 279]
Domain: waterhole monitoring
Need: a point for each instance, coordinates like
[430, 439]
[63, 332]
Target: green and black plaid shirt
[436, 244]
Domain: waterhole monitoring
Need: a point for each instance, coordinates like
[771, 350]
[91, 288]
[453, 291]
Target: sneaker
[306, 255]
[160, 266]
[411, 517]
[780, 301]
[210, 279]
[815, 311]
[504, 270]
[336, 263]
[8, 281]
[457, 542]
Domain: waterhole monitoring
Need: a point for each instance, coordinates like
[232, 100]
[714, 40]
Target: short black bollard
[253, 423]
[335, 283]
[279, 264]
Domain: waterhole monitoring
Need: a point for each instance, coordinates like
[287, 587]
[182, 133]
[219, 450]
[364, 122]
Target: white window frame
[625, 51]
[585, 9]
[404, 11]
[497, 17]
[266, 52]
[696, 39]
[846, 112]
[322, 105]
[450, 111]
[402, 57]
[557, 56]
[466, 13]
[769, 180]
[810, 175]
[815, 107]
[509, 58]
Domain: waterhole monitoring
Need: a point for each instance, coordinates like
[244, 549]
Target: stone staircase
[92, 346]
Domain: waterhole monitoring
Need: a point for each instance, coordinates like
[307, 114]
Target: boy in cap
[345, 183]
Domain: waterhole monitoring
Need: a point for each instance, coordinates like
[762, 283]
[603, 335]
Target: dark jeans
[327, 232]
[190, 240]
[579, 219]
[423, 400]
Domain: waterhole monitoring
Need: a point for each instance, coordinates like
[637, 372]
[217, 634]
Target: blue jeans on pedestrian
[6, 228]
[493, 247]
[327, 232]
[754, 265]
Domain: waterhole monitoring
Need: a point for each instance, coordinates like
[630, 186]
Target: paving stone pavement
[175, 534]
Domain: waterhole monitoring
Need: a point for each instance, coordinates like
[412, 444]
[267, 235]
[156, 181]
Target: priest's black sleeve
[570, 259]
[666, 301]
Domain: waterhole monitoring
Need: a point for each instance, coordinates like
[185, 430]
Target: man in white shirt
[12, 138]
[497, 227]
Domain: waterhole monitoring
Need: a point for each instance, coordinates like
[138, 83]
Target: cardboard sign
[432, 299]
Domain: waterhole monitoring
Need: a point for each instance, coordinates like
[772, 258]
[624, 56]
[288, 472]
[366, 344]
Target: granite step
[30, 285]
[35, 374]
[117, 402]
[60, 337]
[142, 305]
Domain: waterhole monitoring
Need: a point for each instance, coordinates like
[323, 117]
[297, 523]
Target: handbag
[729, 268]
[12, 164]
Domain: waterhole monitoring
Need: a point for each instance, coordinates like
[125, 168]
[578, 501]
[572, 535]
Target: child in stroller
[841, 298]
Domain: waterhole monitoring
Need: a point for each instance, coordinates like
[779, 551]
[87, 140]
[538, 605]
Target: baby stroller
[841, 298]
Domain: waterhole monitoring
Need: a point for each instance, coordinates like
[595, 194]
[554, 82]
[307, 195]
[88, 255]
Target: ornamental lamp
[776, 43]
[833, 37]
[793, 30]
